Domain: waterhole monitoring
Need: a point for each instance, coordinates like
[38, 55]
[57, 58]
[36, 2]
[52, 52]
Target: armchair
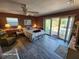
[6, 40]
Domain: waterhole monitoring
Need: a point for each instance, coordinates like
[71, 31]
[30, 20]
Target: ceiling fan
[28, 12]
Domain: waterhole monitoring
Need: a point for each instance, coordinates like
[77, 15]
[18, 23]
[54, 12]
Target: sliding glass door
[47, 25]
[63, 27]
[69, 31]
[59, 26]
[55, 26]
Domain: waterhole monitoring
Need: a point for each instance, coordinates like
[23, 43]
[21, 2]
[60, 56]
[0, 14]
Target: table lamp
[19, 27]
[7, 26]
[34, 26]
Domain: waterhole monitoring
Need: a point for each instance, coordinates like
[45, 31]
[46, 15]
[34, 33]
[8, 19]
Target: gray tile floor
[44, 48]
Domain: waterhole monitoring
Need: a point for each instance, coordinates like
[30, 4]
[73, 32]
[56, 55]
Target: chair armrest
[1, 53]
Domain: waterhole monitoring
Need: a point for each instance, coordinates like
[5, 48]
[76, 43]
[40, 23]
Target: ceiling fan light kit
[27, 12]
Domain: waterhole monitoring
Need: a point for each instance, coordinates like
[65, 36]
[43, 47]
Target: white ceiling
[41, 6]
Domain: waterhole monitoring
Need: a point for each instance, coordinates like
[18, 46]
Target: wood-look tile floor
[43, 48]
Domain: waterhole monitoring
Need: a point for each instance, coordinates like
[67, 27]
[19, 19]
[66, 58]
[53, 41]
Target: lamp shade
[77, 23]
[7, 25]
[19, 27]
[34, 25]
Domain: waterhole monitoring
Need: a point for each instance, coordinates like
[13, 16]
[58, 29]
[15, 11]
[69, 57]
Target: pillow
[35, 31]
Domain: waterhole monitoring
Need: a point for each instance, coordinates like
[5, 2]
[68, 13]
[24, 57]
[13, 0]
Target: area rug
[61, 51]
[36, 52]
[12, 54]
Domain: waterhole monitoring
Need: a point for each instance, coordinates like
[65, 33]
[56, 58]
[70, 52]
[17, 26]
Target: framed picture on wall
[27, 22]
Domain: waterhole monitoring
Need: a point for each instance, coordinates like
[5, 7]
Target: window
[55, 26]
[47, 25]
[12, 21]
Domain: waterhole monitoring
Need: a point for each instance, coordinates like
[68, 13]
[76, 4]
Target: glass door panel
[55, 26]
[71, 21]
[63, 27]
[47, 25]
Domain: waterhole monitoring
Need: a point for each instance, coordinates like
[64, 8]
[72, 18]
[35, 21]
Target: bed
[33, 34]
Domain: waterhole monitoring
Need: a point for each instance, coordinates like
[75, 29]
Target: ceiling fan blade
[32, 12]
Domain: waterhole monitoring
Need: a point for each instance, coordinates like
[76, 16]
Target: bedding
[33, 34]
